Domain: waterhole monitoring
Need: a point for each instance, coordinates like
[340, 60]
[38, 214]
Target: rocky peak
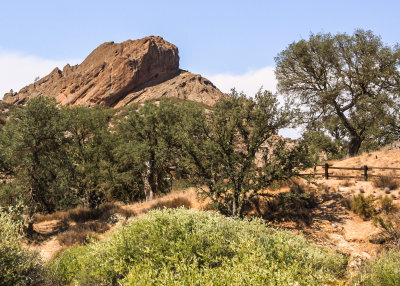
[118, 74]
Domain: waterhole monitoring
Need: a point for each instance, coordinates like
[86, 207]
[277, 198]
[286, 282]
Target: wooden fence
[364, 169]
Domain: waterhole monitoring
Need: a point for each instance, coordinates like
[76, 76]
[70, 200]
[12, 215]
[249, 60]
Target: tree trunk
[354, 146]
[147, 182]
[29, 230]
[235, 205]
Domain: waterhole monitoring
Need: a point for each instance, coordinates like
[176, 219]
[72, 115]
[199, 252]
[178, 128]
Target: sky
[232, 43]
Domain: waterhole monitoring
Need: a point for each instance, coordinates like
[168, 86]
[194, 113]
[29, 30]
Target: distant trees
[60, 157]
[234, 149]
[346, 85]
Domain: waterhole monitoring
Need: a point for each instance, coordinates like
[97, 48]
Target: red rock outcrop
[119, 74]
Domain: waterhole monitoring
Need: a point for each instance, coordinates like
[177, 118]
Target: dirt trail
[48, 245]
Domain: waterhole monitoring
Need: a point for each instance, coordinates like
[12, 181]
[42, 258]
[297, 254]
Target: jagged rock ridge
[119, 74]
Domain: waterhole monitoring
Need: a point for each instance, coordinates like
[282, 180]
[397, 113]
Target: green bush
[18, 266]
[384, 271]
[387, 205]
[363, 206]
[187, 247]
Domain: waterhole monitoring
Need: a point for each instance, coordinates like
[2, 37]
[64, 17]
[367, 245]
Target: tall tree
[148, 145]
[234, 150]
[90, 151]
[35, 152]
[351, 80]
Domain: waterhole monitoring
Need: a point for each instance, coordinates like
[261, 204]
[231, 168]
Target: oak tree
[345, 83]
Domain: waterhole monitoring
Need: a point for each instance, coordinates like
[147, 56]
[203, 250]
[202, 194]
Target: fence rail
[365, 175]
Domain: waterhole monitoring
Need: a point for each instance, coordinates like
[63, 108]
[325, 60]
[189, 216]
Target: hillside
[329, 223]
[119, 74]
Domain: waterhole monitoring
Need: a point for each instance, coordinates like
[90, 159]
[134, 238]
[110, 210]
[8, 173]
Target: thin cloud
[249, 82]
[18, 70]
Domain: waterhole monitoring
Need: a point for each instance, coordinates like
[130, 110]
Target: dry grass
[80, 233]
[384, 182]
[347, 183]
[83, 214]
[172, 203]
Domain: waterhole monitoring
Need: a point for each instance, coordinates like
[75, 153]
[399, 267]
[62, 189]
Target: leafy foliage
[90, 147]
[363, 206]
[234, 149]
[35, 151]
[18, 265]
[384, 271]
[148, 141]
[347, 79]
[184, 247]
[321, 147]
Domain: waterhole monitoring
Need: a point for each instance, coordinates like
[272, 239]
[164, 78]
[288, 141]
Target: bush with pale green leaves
[18, 266]
[384, 271]
[187, 247]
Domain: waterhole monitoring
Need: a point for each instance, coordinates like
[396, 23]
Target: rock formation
[119, 74]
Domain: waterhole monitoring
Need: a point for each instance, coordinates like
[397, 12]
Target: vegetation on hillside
[18, 265]
[184, 247]
[343, 89]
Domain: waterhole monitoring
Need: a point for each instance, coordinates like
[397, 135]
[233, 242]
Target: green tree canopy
[35, 152]
[234, 149]
[148, 147]
[344, 84]
[90, 151]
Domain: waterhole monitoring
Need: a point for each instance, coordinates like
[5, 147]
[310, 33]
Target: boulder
[118, 74]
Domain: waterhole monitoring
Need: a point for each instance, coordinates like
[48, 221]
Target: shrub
[385, 182]
[297, 204]
[188, 247]
[387, 205]
[347, 183]
[363, 206]
[384, 271]
[390, 229]
[18, 266]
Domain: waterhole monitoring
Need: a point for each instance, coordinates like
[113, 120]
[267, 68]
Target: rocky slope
[119, 74]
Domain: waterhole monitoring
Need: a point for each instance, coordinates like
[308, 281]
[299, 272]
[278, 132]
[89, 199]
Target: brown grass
[80, 233]
[385, 182]
[347, 183]
[172, 203]
[83, 214]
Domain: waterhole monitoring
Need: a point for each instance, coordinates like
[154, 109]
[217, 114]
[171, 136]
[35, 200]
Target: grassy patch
[384, 271]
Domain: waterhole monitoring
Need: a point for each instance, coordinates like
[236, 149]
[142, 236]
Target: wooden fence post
[326, 171]
[365, 172]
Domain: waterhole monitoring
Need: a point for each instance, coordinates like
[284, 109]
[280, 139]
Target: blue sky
[231, 42]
